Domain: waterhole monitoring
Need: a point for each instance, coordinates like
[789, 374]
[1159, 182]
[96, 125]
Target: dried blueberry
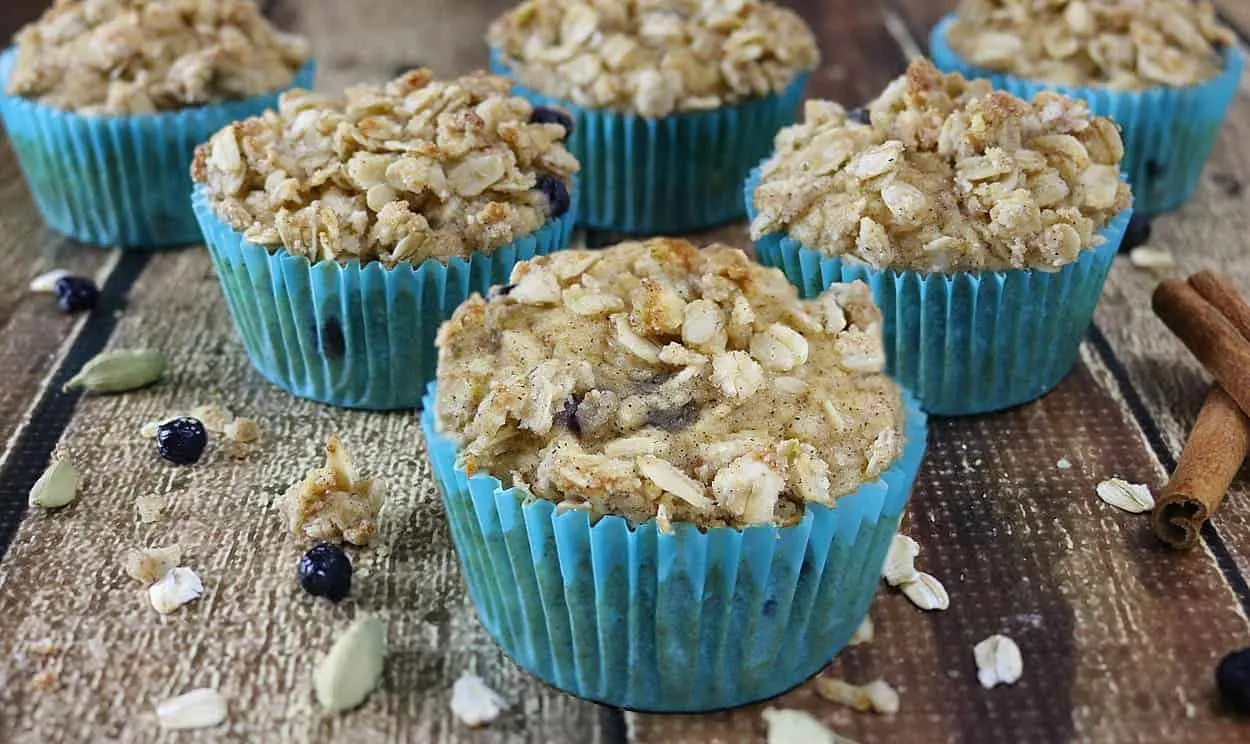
[860, 115]
[556, 192]
[1137, 233]
[75, 294]
[181, 440]
[1232, 676]
[545, 115]
[567, 417]
[325, 571]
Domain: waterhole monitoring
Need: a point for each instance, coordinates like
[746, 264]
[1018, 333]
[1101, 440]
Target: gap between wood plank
[33, 442]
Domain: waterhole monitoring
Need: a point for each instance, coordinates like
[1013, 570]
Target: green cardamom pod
[119, 371]
[57, 486]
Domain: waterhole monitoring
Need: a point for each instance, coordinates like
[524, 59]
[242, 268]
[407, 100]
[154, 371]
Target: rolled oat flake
[57, 486]
[351, 670]
[119, 371]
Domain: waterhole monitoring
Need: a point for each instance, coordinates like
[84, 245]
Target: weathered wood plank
[1026, 549]
[254, 634]
[1236, 12]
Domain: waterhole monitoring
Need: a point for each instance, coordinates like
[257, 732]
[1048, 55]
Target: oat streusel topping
[948, 176]
[654, 57]
[124, 57]
[411, 170]
[1119, 44]
[657, 380]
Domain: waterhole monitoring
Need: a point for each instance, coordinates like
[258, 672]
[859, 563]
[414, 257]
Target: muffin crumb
[948, 176]
[333, 502]
[242, 431]
[1118, 44]
[151, 508]
[129, 57]
[149, 565]
[654, 58]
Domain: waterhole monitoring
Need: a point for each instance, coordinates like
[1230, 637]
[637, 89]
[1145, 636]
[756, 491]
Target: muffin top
[410, 170]
[654, 57]
[657, 380]
[125, 57]
[943, 174]
[1118, 44]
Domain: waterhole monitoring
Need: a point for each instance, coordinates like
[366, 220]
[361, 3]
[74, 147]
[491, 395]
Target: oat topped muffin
[124, 57]
[946, 176]
[411, 170]
[654, 57]
[657, 380]
[1118, 44]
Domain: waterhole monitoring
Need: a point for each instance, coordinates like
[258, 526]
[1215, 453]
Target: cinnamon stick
[1212, 337]
[1211, 318]
[1217, 445]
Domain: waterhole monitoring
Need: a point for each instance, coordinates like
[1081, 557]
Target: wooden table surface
[1120, 636]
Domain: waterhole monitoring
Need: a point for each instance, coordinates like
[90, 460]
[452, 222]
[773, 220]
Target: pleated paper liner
[692, 621]
[118, 180]
[678, 173]
[351, 334]
[1168, 133]
[970, 341]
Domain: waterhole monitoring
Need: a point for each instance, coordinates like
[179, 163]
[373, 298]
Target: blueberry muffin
[965, 191]
[368, 217]
[657, 392]
[673, 101]
[119, 92]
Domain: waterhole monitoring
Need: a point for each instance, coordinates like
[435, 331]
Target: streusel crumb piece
[333, 502]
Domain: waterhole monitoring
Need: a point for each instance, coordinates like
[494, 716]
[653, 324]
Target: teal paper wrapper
[675, 174]
[970, 341]
[1168, 132]
[347, 334]
[118, 180]
[691, 621]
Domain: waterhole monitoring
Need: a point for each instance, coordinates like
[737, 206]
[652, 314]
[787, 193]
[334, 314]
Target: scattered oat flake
[43, 647]
[927, 593]
[899, 565]
[864, 633]
[998, 661]
[876, 696]
[1145, 257]
[1134, 498]
[176, 588]
[202, 708]
[214, 417]
[46, 282]
[474, 703]
[789, 726]
[1064, 464]
[151, 508]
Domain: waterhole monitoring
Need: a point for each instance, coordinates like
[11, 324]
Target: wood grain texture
[1236, 12]
[255, 635]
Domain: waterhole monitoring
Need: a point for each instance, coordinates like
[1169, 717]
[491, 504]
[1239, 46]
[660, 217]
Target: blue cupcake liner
[969, 341]
[692, 621]
[118, 180]
[1168, 133]
[674, 174]
[351, 334]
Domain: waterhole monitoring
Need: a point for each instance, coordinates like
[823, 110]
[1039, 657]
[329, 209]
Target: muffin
[345, 229]
[985, 225]
[672, 102]
[670, 482]
[105, 101]
[1164, 70]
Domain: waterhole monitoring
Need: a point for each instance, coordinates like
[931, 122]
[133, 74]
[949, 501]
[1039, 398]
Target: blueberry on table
[860, 115]
[181, 440]
[1232, 676]
[546, 115]
[325, 571]
[1137, 233]
[75, 294]
[556, 192]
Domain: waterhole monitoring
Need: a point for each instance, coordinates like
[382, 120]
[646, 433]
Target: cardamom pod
[353, 667]
[57, 486]
[119, 371]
